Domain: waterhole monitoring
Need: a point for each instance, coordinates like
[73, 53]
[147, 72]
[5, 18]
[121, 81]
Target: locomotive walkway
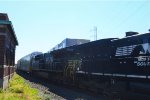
[57, 92]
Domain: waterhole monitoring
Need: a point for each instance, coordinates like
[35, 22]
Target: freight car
[115, 67]
[26, 63]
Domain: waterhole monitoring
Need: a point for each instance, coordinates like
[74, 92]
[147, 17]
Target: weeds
[18, 90]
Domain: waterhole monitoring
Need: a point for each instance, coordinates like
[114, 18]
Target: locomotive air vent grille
[124, 51]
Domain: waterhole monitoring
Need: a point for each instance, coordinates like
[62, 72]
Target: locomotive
[115, 67]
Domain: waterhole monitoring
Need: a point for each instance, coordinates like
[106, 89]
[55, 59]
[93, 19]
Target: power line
[132, 14]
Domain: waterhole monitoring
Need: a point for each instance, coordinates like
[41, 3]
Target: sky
[41, 24]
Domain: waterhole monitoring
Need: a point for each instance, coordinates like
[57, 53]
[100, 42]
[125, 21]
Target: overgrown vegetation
[19, 90]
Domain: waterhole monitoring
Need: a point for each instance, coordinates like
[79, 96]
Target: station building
[69, 42]
[8, 43]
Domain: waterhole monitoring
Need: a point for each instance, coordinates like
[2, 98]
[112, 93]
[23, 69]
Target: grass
[19, 90]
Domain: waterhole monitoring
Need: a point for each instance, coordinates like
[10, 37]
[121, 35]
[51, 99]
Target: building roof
[10, 27]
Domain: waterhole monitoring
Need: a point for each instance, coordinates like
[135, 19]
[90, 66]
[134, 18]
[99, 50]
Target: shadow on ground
[62, 91]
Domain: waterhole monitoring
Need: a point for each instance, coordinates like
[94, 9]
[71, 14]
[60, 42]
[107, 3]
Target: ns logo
[141, 49]
[142, 53]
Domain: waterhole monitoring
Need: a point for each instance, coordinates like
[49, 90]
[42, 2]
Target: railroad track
[59, 92]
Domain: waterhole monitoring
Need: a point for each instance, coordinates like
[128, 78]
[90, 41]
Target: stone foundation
[5, 76]
[4, 82]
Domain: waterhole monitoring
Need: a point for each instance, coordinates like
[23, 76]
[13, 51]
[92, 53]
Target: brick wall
[2, 41]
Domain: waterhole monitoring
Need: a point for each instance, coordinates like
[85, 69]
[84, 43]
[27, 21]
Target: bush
[1, 90]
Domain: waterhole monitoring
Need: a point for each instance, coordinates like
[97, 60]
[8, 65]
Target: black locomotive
[114, 67]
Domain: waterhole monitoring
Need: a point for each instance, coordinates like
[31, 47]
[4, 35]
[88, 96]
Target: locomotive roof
[136, 35]
[104, 41]
[107, 40]
[32, 54]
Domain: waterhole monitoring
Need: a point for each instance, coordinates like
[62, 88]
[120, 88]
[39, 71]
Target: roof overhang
[11, 29]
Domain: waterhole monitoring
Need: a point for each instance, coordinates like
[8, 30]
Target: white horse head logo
[146, 48]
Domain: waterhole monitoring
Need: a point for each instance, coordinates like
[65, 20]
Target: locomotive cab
[131, 56]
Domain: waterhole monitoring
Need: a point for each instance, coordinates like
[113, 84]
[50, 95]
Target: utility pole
[94, 30]
[95, 33]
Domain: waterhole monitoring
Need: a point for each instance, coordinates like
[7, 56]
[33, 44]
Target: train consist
[115, 67]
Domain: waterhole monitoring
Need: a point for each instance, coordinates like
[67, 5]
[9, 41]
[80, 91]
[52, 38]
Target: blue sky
[41, 24]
